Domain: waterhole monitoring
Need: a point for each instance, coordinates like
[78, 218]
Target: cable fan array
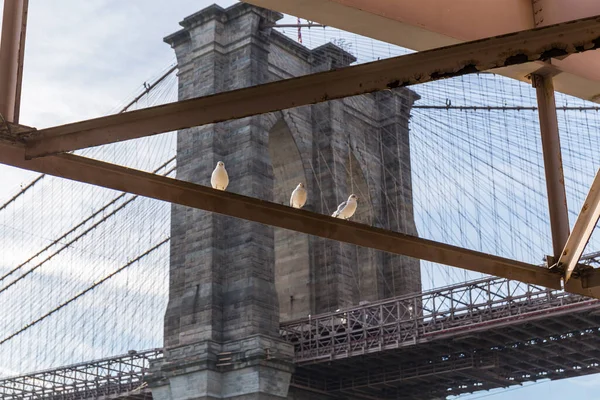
[78, 257]
[83, 268]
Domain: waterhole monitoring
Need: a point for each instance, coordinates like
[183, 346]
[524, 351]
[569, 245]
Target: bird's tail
[335, 214]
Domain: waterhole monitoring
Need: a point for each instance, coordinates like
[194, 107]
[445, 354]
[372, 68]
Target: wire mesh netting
[84, 270]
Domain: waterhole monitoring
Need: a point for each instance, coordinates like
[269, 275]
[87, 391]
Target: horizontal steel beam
[234, 205]
[586, 285]
[590, 279]
[516, 48]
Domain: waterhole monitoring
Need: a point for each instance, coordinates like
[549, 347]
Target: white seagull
[298, 198]
[219, 178]
[347, 208]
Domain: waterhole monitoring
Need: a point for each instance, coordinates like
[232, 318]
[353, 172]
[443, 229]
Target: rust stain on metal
[470, 68]
[393, 84]
[518, 58]
[394, 73]
[553, 53]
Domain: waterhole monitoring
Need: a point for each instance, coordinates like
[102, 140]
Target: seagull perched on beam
[298, 198]
[347, 208]
[219, 178]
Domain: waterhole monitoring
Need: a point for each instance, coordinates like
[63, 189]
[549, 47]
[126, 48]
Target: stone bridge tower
[232, 281]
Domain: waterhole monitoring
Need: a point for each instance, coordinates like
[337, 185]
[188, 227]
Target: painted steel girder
[12, 53]
[427, 24]
[192, 195]
[582, 230]
[175, 191]
[512, 49]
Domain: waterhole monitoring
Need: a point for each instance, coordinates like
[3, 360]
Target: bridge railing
[388, 324]
[404, 321]
[91, 380]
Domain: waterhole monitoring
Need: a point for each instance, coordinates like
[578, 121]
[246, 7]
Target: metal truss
[176, 191]
[501, 51]
[445, 369]
[20, 145]
[474, 336]
[109, 378]
[414, 372]
[480, 335]
[409, 320]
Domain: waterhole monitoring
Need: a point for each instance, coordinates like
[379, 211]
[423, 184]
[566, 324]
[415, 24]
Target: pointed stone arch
[364, 260]
[292, 255]
[357, 183]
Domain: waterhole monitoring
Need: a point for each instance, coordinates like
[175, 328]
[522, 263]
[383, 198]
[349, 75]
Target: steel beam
[460, 59]
[590, 278]
[234, 205]
[555, 179]
[12, 51]
[582, 230]
[423, 25]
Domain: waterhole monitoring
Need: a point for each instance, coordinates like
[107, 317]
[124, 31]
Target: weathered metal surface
[516, 48]
[553, 167]
[115, 377]
[405, 321]
[12, 52]
[473, 336]
[582, 230]
[420, 25]
[234, 205]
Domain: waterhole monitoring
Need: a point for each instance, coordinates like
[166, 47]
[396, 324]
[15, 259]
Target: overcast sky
[85, 57]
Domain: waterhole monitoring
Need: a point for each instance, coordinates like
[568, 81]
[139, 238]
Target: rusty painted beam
[586, 285]
[12, 53]
[582, 230]
[234, 205]
[553, 166]
[516, 48]
[423, 25]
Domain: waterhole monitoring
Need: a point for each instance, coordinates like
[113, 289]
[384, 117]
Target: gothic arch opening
[357, 184]
[365, 261]
[292, 262]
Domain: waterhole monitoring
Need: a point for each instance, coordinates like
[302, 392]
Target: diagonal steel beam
[516, 48]
[582, 230]
[234, 205]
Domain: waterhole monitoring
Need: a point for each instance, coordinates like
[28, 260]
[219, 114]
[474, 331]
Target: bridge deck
[475, 336]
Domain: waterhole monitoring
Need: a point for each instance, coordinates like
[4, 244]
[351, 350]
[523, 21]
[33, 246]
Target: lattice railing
[404, 321]
[393, 323]
[91, 380]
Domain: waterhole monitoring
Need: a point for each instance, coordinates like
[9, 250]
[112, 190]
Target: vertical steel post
[555, 179]
[12, 51]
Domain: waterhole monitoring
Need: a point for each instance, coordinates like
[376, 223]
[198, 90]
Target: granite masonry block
[233, 281]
